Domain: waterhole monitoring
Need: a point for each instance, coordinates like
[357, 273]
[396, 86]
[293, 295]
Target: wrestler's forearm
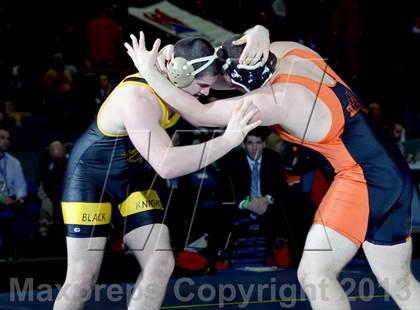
[186, 159]
[183, 160]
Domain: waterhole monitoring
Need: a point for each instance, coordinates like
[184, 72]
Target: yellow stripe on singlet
[166, 122]
[86, 213]
[140, 202]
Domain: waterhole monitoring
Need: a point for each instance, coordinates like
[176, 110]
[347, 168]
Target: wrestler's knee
[77, 291]
[305, 275]
[161, 265]
[313, 274]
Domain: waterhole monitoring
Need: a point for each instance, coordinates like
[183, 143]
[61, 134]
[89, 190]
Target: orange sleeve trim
[326, 95]
[318, 61]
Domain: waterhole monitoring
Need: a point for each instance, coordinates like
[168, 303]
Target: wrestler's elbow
[164, 172]
[165, 176]
[167, 171]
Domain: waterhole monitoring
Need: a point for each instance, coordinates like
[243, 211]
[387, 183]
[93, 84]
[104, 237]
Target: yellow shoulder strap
[166, 122]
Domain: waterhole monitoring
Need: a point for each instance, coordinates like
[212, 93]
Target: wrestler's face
[253, 147]
[4, 140]
[201, 85]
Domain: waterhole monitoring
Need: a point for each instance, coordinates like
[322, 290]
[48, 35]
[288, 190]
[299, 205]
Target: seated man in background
[258, 188]
[52, 167]
[13, 191]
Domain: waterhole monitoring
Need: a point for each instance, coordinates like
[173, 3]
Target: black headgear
[248, 77]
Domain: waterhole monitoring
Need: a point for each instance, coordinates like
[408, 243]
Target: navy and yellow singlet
[106, 170]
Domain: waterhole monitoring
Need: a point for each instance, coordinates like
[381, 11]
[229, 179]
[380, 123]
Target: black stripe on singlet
[135, 79]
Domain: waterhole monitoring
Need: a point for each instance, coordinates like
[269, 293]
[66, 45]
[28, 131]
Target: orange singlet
[370, 197]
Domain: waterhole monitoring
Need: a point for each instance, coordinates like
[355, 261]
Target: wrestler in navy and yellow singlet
[105, 170]
[371, 195]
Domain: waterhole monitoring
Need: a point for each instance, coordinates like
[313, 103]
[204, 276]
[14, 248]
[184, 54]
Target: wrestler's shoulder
[128, 93]
[281, 48]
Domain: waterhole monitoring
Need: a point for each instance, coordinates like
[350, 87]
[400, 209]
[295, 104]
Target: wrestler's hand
[257, 41]
[143, 59]
[258, 205]
[239, 124]
[164, 56]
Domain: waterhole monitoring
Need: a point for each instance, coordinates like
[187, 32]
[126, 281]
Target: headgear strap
[181, 71]
[246, 76]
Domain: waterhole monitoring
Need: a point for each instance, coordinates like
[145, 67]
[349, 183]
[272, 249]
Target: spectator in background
[105, 88]
[12, 180]
[6, 121]
[259, 188]
[398, 135]
[375, 113]
[104, 39]
[275, 143]
[12, 194]
[414, 160]
[58, 80]
[58, 84]
[279, 8]
[411, 154]
[19, 93]
[347, 28]
[69, 38]
[52, 168]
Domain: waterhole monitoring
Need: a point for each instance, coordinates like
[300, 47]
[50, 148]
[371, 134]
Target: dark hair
[193, 48]
[231, 51]
[260, 132]
[4, 128]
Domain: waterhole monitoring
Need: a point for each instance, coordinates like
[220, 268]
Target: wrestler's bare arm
[141, 117]
[213, 115]
[288, 105]
[269, 101]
